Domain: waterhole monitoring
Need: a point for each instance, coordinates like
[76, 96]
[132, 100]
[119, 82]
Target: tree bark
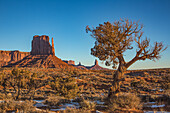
[117, 78]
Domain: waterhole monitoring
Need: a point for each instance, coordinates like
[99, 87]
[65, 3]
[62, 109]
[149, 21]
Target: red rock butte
[42, 55]
[41, 46]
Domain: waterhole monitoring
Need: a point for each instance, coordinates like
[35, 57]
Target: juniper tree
[113, 39]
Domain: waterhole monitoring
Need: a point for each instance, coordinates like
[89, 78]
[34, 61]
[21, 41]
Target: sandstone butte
[42, 55]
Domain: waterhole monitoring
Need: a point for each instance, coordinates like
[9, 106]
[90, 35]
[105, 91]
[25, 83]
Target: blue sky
[65, 21]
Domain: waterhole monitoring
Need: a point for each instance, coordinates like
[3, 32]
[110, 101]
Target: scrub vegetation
[19, 87]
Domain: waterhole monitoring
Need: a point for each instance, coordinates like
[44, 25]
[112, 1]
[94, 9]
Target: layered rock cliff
[7, 57]
[42, 55]
[40, 61]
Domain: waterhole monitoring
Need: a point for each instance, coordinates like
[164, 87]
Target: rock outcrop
[96, 62]
[41, 46]
[41, 61]
[53, 50]
[42, 55]
[80, 66]
[8, 57]
[69, 62]
[96, 66]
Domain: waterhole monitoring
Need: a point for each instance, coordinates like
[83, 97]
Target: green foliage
[21, 81]
[66, 87]
[17, 80]
[45, 82]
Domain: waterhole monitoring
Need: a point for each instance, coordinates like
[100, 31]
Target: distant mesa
[96, 66]
[42, 55]
[80, 66]
[70, 62]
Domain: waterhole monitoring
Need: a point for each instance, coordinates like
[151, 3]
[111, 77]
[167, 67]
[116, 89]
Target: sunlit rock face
[70, 62]
[42, 55]
[7, 57]
[96, 62]
[41, 46]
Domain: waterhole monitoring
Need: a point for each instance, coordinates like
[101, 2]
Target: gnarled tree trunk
[117, 78]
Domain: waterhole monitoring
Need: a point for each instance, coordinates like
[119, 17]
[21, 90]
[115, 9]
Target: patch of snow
[102, 94]
[150, 103]
[98, 111]
[99, 102]
[39, 101]
[71, 100]
[20, 101]
[57, 109]
[156, 106]
[153, 89]
[53, 106]
[161, 90]
[40, 105]
[75, 103]
[160, 95]
[1, 101]
[70, 106]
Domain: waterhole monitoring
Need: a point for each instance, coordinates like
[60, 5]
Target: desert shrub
[167, 96]
[25, 106]
[7, 105]
[136, 83]
[166, 82]
[86, 104]
[18, 80]
[2, 96]
[74, 72]
[124, 100]
[167, 92]
[53, 101]
[66, 87]
[80, 99]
